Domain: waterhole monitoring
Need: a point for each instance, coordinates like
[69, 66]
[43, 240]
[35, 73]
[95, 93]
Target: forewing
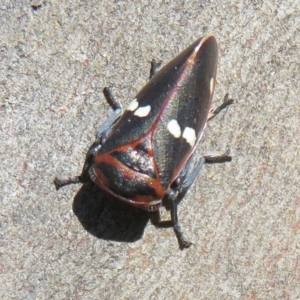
[172, 107]
[189, 98]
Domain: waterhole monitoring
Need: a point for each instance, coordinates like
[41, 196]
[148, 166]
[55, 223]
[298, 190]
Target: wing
[173, 108]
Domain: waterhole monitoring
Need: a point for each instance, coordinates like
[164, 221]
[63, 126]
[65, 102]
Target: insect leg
[212, 159]
[101, 136]
[82, 178]
[155, 65]
[180, 188]
[186, 178]
[171, 198]
[171, 203]
[226, 102]
[107, 126]
[59, 182]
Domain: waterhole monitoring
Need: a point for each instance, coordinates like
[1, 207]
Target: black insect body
[143, 156]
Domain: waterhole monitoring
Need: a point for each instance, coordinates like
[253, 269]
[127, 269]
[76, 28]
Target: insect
[144, 155]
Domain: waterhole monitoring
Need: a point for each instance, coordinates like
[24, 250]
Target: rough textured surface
[244, 217]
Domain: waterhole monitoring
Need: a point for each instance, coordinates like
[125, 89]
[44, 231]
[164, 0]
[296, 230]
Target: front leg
[101, 136]
[107, 126]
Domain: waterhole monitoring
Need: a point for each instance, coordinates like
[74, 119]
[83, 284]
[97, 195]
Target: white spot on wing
[133, 105]
[189, 135]
[174, 128]
[212, 81]
[143, 111]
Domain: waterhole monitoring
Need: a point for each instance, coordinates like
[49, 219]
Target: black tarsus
[216, 111]
[111, 100]
[59, 183]
[170, 202]
[211, 159]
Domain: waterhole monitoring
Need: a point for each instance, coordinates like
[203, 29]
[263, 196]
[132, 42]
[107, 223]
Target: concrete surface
[243, 217]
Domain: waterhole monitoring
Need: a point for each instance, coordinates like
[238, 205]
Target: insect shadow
[108, 218]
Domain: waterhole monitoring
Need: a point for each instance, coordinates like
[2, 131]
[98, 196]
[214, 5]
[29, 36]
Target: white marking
[174, 128]
[133, 105]
[198, 47]
[211, 86]
[143, 111]
[189, 135]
